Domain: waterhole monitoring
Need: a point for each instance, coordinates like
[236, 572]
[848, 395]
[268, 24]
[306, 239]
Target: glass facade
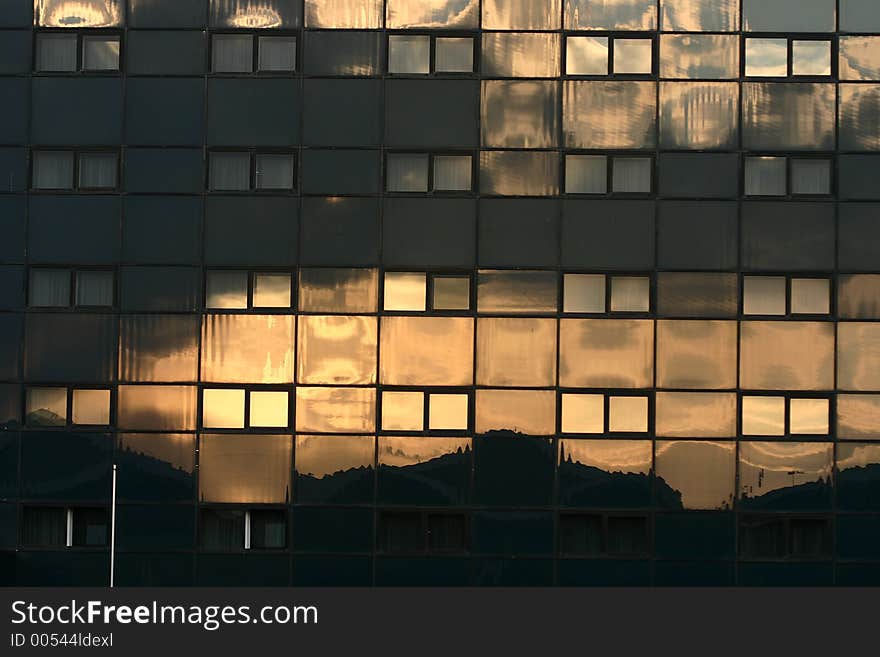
[459, 292]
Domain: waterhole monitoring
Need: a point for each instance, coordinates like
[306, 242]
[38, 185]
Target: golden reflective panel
[609, 114]
[399, 451]
[451, 14]
[699, 56]
[223, 408]
[251, 14]
[699, 115]
[78, 13]
[810, 57]
[858, 417]
[586, 55]
[158, 348]
[271, 290]
[519, 173]
[695, 414]
[857, 456]
[810, 296]
[696, 354]
[699, 15]
[633, 56]
[630, 294]
[46, 407]
[448, 411]
[809, 416]
[352, 14]
[628, 414]
[519, 113]
[91, 407]
[529, 412]
[606, 353]
[697, 294]
[335, 410]
[624, 456]
[452, 293]
[426, 351]
[516, 352]
[520, 55]
[583, 293]
[403, 410]
[858, 356]
[695, 474]
[766, 58]
[156, 408]
[516, 292]
[858, 296]
[768, 467]
[176, 450]
[227, 290]
[269, 408]
[325, 456]
[521, 14]
[859, 110]
[244, 469]
[763, 416]
[333, 290]
[787, 355]
[337, 349]
[405, 291]
[790, 115]
[764, 295]
[610, 14]
[247, 348]
[583, 413]
[859, 57]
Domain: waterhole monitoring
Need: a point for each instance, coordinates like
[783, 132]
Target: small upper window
[58, 170]
[592, 55]
[234, 53]
[588, 174]
[97, 171]
[454, 55]
[277, 53]
[100, 53]
[410, 54]
[233, 171]
[781, 57]
[71, 52]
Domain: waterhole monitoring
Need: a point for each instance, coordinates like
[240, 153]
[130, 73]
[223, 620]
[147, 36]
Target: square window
[628, 414]
[811, 57]
[223, 408]
[403, 411]
[810, 296]
[407, 172]
[810, 177]
[631, 175]
[627, 535]
[401, 532]
[763, 416]
[809, 416]
[765, 176]
[94, 288]
[53, 170]
[49, 288]
[454, 55]
[630, 294]
[448, 411]
[409, 54]
[46, 407]
[232, 53]
[277, 53]
[269, 408]
[89, 527]
[230, 171]
[583, 293]
[91, 407]
[452, 173]
[764, 295]
[56, 52]
[275, 171]
[586, 174]
[100, 53]
[44, 526]
[580, 534]
[267, 529]
[446, 533]
[583, 413]
[226, 289]
[586, 55]
[452, 292]
[97, 170]
[405, 291]
[271, 290]
[632, 56]
[766, 58]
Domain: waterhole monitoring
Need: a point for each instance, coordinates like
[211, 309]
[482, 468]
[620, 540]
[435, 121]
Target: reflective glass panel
[452, 292]
[403, 410]
[271, 290]
[46, 407]
[810, 296]
[454, 55]
[764, 295]
[244, 469]
[338, 290]
[255, 14]
[530, 412]
[519, 114]
[787, 355]
[699, 15]
[696, 354]
[583, 413]
[767, 58]
[610, 14]
[859, 117]
[858, 296]
[448, 411]
[699, 56]
[584, 293]
[633, 56]
[336, 349]
[859, 57]
[789, 15]
[699, 115]
[226, 289]
[586, 55]
[520, 55]
[609, 114]
[697, 294]
[606, 353]
[336, 410]
[519, 173]
[586, 174]
[790, 115]
[248, 348]
[79, 13]
[516, 352]
[427, 351]
[409, 54]
[352, 14]
[516, 292]
[763, 416]
[91, 407]
[628, 414]
[784, 474]
[695, 475]
[858, 356]
[156, 408]
[223, 408]
[630, 294]
[810, 57]
[695, 414]
[269, 408]
[521, 14]
[858, 417]
[405, 291]
[809, 416]
[402, 14]
[337, 461]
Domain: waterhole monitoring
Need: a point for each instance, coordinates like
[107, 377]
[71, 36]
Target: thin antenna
[113, 528]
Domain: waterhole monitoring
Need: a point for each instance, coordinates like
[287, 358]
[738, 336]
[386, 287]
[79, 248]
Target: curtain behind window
[632, 174]
[94, 288]
[274, 172]
[44, 526]
[407, 173]
[230, 171]
[452, 172]
[49, 287]
[810, 177]
[233, 53]
[56, 52]
[97, 170]
[53, 170]
[586, 174]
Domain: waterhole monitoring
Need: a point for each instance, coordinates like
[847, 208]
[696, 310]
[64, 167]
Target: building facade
[442, 292]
